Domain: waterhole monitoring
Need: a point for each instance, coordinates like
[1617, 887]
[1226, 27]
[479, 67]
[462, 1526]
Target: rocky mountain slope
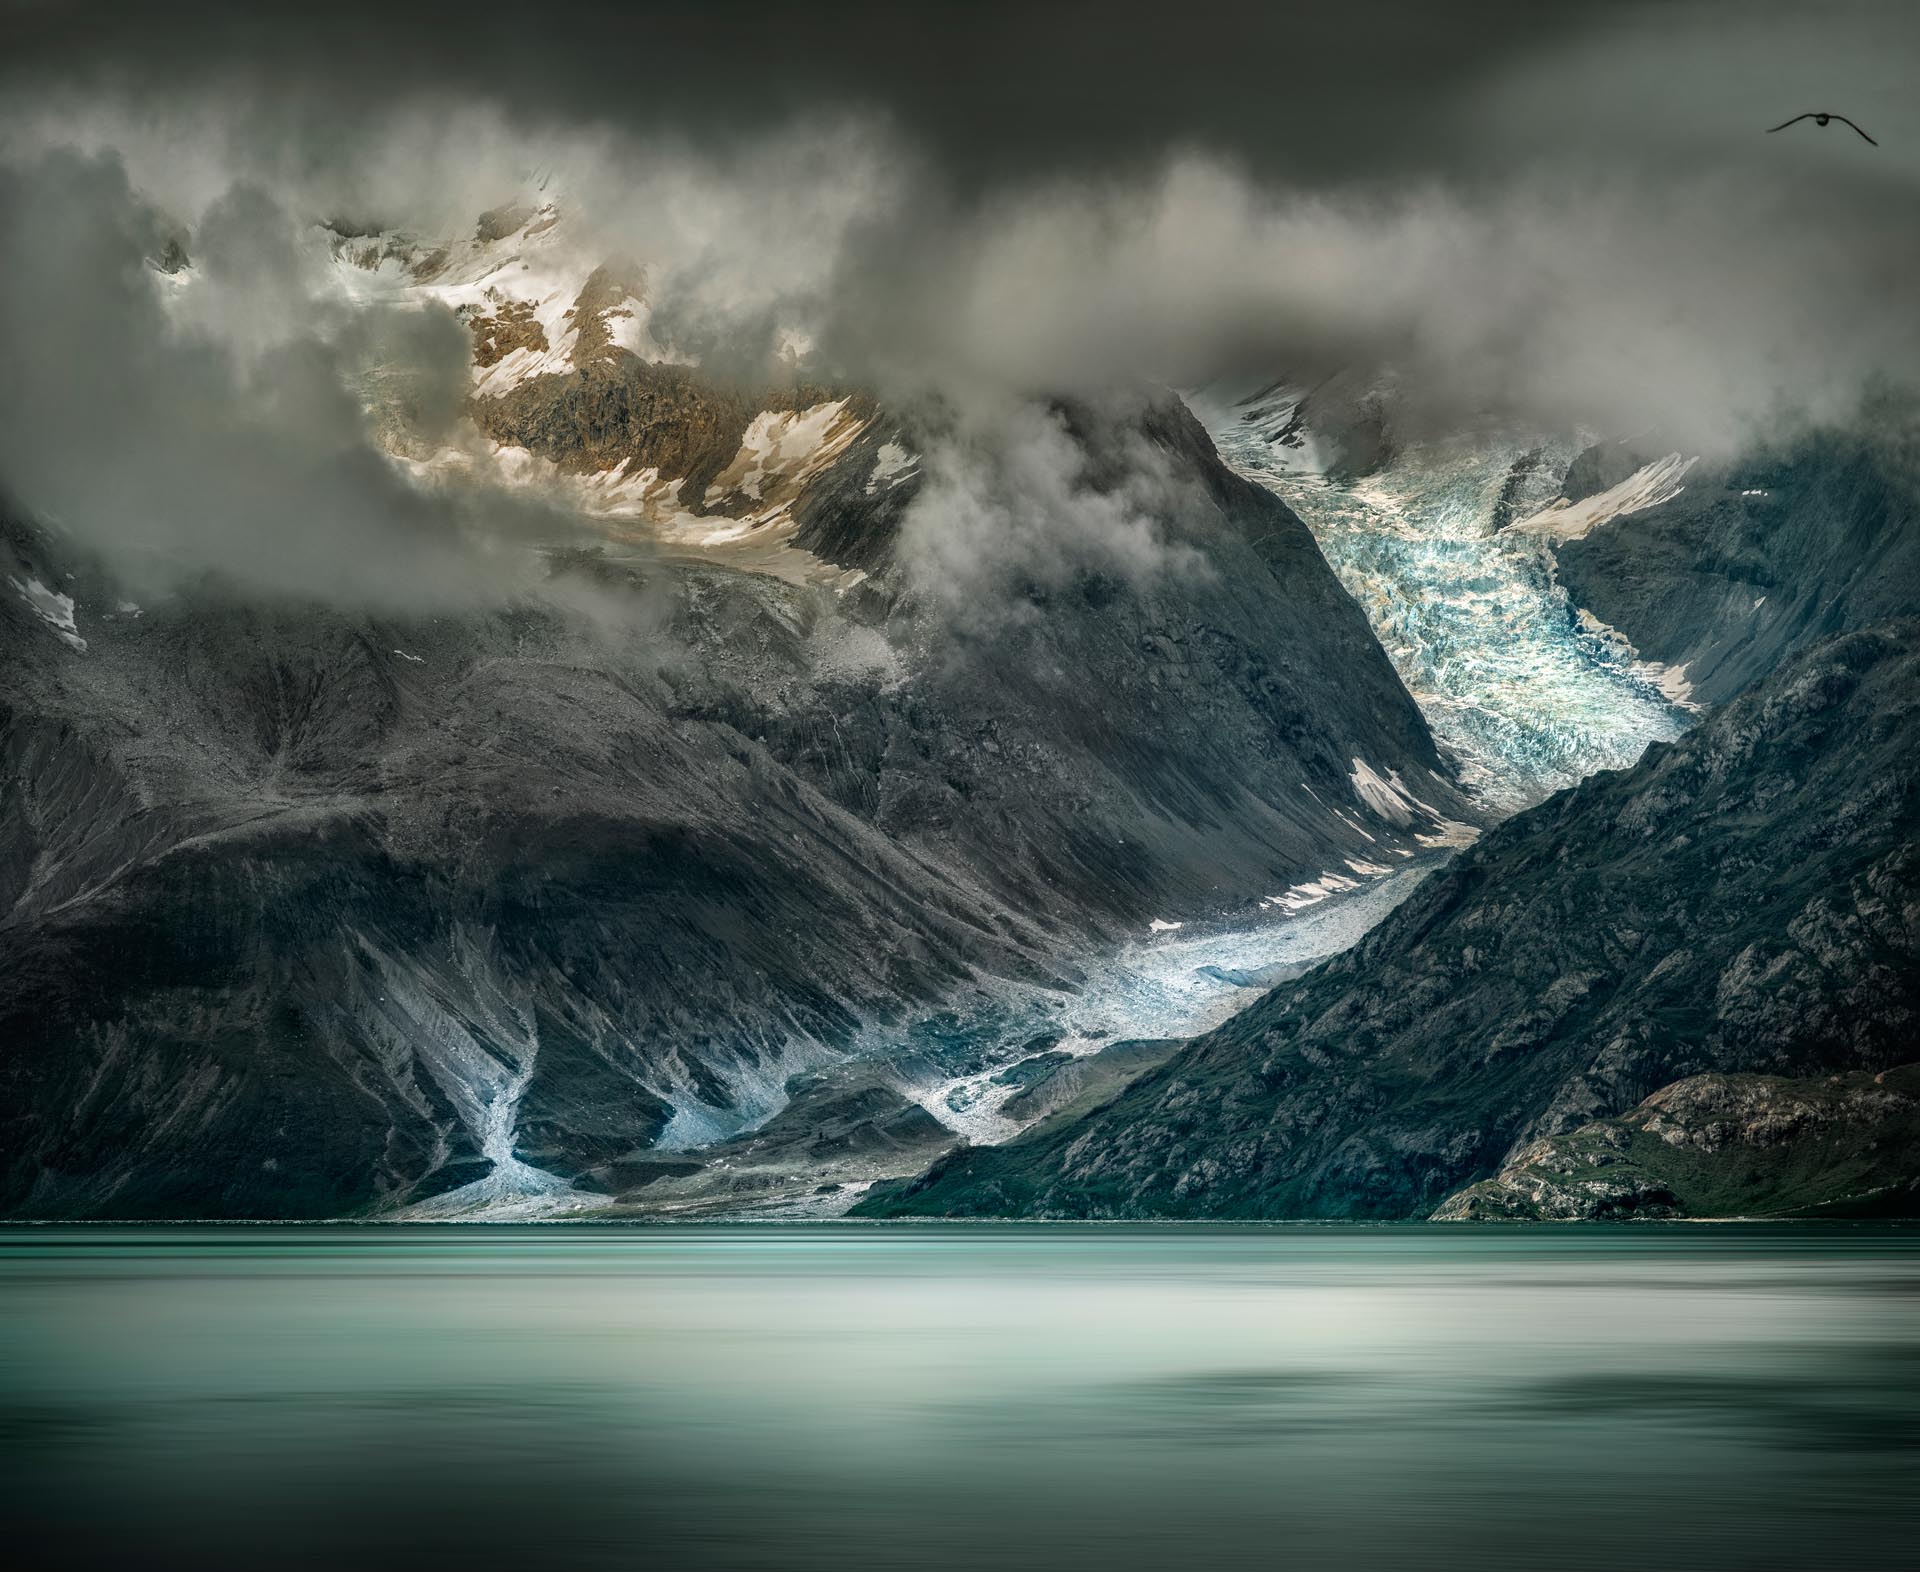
[1724, 1146]
[1750, 560]
[760, 850]
[310, 911]
[1746, 899]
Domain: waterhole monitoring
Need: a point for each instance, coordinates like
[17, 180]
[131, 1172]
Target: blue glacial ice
[1529, 695]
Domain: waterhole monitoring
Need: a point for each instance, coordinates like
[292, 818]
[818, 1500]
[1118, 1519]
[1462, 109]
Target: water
[1530, 697]
[944, 1396]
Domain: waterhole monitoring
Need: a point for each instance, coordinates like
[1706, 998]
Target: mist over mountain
[1679, 272]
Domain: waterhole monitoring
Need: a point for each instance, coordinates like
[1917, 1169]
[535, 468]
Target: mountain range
[753, 853]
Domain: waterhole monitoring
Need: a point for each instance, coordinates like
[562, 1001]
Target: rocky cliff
[1723, 1146]
[1753, 559]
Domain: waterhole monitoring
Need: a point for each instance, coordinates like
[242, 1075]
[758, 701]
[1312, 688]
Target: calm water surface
[1048, 1396]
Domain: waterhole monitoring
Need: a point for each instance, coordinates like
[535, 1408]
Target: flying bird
[1818, 119]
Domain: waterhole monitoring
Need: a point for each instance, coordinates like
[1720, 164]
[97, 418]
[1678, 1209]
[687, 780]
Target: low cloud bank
[1015, 502]
[229, 426]
[225, 431]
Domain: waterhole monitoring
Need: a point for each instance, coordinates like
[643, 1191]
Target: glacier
[1528, 695]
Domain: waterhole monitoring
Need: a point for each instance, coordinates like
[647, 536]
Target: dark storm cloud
[1311, 94]
[1557, 214]
[993, 91]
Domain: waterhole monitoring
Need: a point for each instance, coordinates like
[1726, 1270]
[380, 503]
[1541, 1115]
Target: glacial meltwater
[1059, 1396]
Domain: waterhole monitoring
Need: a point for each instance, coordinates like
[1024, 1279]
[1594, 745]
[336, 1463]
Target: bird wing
[1846, 122]
[1794, 121]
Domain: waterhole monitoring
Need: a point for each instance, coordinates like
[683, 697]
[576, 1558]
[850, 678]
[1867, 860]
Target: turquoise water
[947, 1396]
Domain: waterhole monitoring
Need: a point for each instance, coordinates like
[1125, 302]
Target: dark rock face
[291, 897]
[267, 1003]
[1522, 481]
[1757, 559]
[1077, 1085]
[1746, 899]
[1723, 1146]
[623, 408]
[1601, 467]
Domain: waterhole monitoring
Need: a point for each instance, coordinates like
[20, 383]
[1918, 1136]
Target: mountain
[813, 802]
[1743, 900]
[1723, 1146]
[1746, 561]
[311, 910]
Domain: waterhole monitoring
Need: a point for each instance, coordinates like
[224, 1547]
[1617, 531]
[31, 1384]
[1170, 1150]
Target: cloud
[227, 435]
[1020, 501]
[1568, 235]
[738, 234]
[1705, 310]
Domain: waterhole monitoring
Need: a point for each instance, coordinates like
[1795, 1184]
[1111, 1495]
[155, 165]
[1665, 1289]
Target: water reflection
[945, 1396]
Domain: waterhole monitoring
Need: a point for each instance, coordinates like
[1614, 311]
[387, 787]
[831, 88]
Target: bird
[1819, 118]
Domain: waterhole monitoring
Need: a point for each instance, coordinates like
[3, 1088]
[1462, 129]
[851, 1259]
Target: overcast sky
[1306, 92]
[1565, 214]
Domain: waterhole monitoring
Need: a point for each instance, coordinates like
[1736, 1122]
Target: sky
[1560, 215]
[1307, 93]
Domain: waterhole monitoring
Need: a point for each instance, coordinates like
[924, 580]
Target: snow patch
[1301, 896]
[1356, 826]
[891, 465]
[1389, 798]
[1646, 487]
[52, 608]
[628, 328]
[781, 451]
[1671, 681]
